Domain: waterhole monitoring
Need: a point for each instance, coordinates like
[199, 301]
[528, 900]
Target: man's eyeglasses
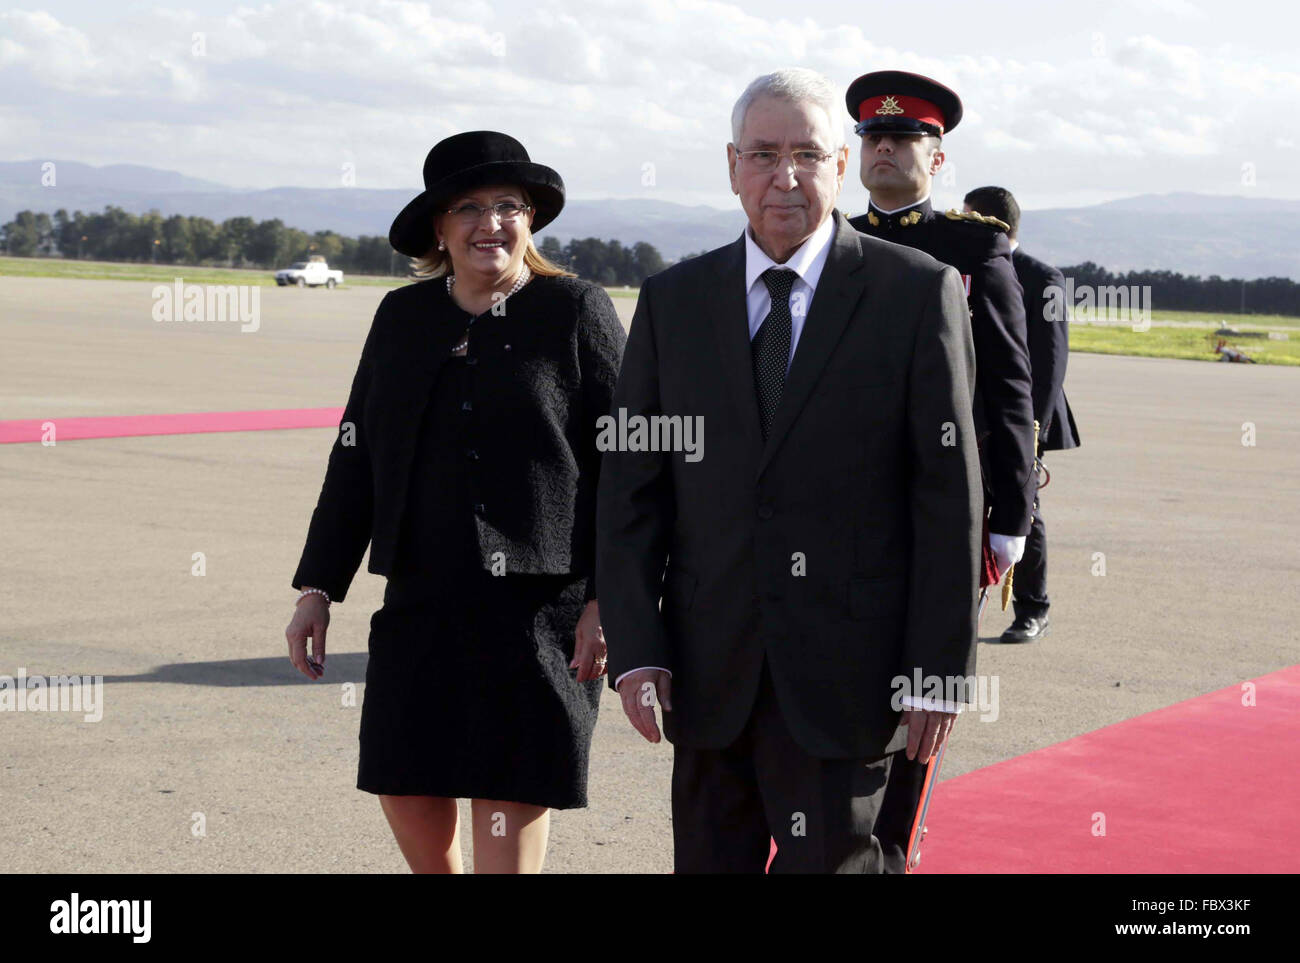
[504, 211]
[808, 160]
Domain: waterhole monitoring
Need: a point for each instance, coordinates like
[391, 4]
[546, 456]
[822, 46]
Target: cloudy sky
[1067, 104]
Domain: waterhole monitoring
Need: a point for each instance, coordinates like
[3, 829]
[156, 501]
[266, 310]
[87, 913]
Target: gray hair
[798, 85]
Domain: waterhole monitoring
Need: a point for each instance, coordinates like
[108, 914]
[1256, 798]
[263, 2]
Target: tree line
[242, 242]
[1171, 291]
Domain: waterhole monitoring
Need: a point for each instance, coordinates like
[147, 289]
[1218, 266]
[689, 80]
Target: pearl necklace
[520, 281]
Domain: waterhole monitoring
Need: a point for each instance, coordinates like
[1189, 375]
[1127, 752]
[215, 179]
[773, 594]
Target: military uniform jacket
[1004, 419]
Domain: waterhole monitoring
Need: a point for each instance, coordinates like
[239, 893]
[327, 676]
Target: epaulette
[955, 215]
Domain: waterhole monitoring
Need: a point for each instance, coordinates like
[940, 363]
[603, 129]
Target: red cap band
[899, 105]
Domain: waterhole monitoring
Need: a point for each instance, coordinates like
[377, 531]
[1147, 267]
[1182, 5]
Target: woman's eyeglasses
[504, 211]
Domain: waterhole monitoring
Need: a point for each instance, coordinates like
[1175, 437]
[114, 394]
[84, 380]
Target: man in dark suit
[825, 548]
[902, 118]
[1048, 330]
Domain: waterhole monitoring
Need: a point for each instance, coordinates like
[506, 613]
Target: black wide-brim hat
[898, 102]
[463, 162]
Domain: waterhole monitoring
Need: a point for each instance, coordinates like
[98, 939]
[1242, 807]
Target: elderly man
[777, 596]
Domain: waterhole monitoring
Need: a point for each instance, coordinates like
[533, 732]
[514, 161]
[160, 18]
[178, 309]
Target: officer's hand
[1007, 549]
[639, 691]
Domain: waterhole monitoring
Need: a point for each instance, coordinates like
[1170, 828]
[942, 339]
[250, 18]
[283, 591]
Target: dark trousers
[1029, 584]
[728, 804]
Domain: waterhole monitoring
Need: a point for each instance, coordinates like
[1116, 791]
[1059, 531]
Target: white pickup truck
[309, 274]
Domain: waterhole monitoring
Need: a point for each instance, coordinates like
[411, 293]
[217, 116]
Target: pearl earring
[442, 245]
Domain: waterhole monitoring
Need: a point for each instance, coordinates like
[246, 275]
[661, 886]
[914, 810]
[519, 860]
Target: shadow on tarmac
[339, 667]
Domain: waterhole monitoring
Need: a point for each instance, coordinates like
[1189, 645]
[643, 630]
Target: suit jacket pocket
[877, 598]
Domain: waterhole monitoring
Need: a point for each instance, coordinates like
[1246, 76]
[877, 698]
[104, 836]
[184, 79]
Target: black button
[765, 512]
[479, 508]
[472, 454]
[471, 361]
[466, 406]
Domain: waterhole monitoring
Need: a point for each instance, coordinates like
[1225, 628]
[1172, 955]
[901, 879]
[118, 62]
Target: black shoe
[1026, 628]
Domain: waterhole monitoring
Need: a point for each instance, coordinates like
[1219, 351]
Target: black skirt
[468, 689]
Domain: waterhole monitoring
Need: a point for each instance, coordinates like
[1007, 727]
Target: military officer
[902, 118]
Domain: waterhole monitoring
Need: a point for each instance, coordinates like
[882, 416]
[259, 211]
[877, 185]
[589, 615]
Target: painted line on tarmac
[34, 430]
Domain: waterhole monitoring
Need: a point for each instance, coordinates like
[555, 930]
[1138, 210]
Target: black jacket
[844, 546]
[1048, 327]
[544, 372]
[1003, 405]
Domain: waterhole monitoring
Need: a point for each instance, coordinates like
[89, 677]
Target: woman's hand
[310, 619]
[589, 651]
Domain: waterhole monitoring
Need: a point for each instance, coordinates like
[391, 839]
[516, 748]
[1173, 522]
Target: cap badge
[890, 106]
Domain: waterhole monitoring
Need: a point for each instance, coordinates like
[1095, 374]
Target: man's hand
[1008, 549]
[639, 691]
[926, 731]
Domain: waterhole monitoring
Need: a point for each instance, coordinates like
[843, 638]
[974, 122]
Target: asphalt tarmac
[206, 726]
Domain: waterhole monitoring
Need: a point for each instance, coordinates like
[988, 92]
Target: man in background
[1048, 334]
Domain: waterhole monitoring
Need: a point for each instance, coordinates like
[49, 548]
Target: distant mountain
[1232, 236]
[1182, 202]
[114, 177]
[1227, 236]
[675, 229]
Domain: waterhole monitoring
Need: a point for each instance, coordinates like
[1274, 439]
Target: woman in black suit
[467, 459]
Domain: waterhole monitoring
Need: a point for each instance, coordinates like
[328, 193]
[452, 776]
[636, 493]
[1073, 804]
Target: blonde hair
[435, 263]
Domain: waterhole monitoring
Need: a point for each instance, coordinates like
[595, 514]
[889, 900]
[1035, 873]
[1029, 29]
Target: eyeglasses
[807, 160]
[504, 211]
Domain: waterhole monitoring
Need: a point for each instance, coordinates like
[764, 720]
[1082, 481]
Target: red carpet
[121, 426]
[1202, 786]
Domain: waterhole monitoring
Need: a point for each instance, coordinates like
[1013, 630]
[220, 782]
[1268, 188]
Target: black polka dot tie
[771, 346]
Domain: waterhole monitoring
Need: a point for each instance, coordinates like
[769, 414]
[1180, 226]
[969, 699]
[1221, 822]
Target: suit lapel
[838, 292]
[731, 330]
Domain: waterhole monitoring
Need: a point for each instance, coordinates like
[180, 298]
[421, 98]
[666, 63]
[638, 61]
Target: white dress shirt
[807, 262]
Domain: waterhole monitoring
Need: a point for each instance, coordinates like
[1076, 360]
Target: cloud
[287, 91]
